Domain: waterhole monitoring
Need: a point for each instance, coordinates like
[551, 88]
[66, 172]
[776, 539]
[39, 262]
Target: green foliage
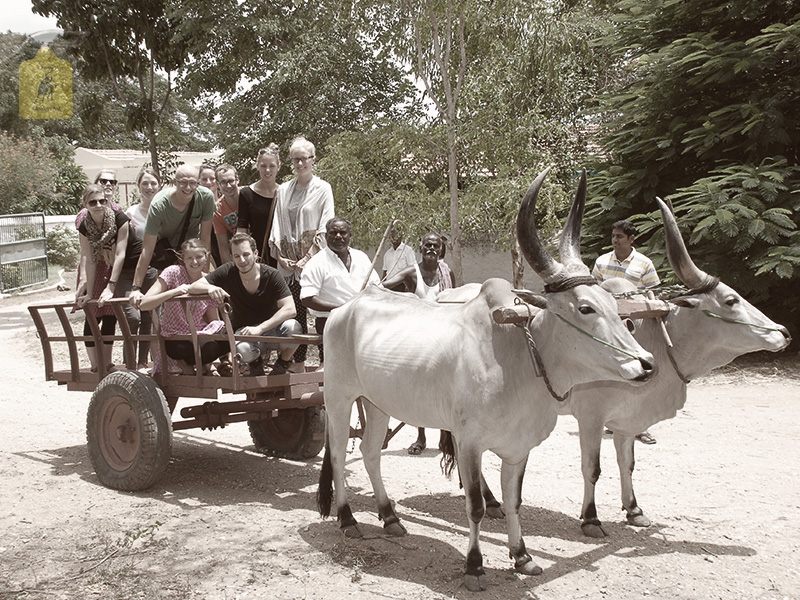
[63, 247]
[129, 46]
[287, 68]
[707, 114]
[28, 175]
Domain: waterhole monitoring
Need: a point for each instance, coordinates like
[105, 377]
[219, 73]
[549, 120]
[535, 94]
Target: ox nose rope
[729, 320]
[597, 339]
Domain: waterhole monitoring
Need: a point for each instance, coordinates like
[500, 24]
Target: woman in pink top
[172, 282]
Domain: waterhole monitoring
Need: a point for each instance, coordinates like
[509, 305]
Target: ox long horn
[569, 249]
[691, 276]
[527, 235]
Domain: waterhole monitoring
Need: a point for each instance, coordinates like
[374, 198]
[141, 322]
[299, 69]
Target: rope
[536, 358]
[729, 320]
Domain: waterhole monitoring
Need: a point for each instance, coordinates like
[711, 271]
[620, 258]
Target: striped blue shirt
[637, 268]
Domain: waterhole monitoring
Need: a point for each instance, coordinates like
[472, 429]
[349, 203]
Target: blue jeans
[250, 351]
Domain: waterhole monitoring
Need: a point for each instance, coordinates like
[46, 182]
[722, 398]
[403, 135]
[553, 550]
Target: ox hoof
[638, 520]
[351, 531]
[495, 512]
[528, 568]
[475, 583]
[396, 529]
[594, 530]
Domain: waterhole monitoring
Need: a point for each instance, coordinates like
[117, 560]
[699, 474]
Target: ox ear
[686, 301]
[528, 296]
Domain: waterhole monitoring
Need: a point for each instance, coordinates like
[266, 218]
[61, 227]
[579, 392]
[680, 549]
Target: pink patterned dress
[173, 317]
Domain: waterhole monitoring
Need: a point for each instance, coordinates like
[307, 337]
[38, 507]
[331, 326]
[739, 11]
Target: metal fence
[23, 251]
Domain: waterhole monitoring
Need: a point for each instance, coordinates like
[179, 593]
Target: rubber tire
[130, 398]
[296, 433]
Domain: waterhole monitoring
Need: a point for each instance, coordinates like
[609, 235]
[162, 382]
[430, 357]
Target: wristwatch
[135, 287]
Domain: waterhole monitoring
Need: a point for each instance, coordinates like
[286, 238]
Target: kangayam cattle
[452, 367]
[708, 326]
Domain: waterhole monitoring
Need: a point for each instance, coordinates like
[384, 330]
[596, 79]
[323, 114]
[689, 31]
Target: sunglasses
[93, 203]
[103, 181]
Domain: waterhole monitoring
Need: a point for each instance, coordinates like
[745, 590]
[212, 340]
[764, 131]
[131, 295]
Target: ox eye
[586, 310]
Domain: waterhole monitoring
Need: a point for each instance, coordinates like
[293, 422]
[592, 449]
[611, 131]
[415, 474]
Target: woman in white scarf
[305, 204]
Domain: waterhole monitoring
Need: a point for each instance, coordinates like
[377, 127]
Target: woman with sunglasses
[257, 200]
[107, 180]
[305, 205]
[104, 241]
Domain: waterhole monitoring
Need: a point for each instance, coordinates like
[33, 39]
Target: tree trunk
[455, 228]
[151, 139]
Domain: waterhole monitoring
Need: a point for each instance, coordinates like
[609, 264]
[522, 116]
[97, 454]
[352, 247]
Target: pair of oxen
[452, 367]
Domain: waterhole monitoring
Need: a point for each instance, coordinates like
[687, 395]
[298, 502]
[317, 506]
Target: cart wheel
[296, 433]
[129, 431]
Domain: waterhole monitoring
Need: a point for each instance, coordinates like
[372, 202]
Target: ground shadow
[428, 561]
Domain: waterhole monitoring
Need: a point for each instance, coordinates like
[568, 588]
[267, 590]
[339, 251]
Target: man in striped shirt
[624, 261]
[627, 263]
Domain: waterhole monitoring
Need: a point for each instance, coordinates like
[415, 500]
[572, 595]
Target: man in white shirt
[334, 275]
[397, 258]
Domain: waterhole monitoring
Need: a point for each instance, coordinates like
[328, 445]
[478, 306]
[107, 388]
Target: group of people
[278, 253]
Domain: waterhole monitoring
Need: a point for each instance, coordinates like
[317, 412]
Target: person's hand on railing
[82, 296]
[106, 295]
[217, 294]
[135, 299]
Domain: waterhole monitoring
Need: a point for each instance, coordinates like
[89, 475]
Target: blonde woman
[305, 205]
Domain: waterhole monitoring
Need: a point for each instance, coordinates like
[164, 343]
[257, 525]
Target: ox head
[586, 340]
[718, 323]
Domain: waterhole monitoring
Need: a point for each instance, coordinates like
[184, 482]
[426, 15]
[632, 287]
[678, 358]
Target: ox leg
[338, 433]
[371, 444]
[591, 436]
[626, 462]
[469, 469]
[511, 481]
[494, 509]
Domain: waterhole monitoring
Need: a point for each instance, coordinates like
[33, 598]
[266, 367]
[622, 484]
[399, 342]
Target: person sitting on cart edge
[261, 304]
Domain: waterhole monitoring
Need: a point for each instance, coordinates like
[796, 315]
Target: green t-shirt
[164, 221]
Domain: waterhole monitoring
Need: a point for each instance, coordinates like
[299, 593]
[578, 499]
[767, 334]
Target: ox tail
[325, 489]
[448, 449]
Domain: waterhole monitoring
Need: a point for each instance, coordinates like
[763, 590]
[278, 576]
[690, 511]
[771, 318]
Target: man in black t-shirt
[261, 304]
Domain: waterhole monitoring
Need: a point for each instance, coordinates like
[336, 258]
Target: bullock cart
[132, 415]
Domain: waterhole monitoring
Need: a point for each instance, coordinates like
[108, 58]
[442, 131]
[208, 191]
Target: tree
[275, 70]
[499, 107]
[708, 114]
[127, 44]
[33, 180]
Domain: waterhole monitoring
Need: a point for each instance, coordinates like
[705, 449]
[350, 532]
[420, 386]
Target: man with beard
[426, 280]
[261, 304]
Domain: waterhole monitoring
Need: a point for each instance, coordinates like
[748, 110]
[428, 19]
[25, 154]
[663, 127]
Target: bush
[63, 247]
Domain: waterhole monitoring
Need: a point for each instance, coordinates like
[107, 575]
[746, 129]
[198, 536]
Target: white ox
[452, 367]
[709, 326]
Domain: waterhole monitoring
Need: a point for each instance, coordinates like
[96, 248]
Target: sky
[18, 17]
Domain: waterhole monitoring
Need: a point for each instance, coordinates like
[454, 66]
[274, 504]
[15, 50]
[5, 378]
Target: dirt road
[721, 486]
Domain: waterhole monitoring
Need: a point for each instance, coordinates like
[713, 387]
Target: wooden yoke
[633, 308]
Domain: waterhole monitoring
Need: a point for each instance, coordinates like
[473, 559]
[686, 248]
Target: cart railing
[173, 385]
